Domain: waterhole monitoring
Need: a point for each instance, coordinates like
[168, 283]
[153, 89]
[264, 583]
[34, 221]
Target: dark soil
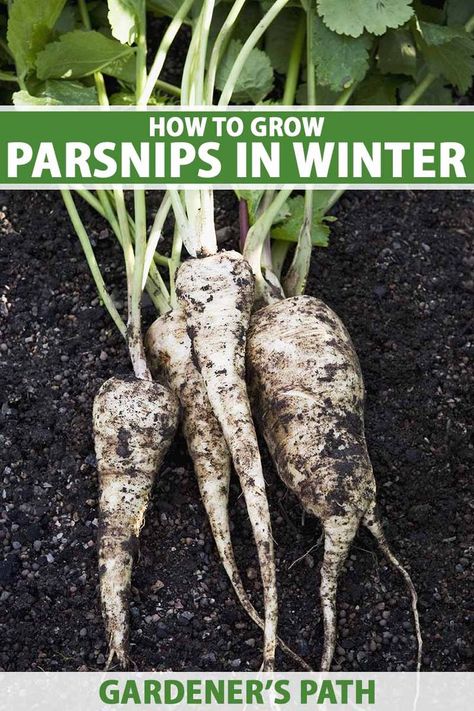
[399, 273]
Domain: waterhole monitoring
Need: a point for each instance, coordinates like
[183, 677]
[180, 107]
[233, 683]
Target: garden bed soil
[399, 273]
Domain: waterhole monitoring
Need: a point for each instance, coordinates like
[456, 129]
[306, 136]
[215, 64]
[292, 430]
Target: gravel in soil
[399, 273]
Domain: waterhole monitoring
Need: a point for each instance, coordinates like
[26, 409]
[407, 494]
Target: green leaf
[279, 38]
[397, 53]
[68, 20]
[165, 7]
[324, 95]
[449, 52]
[122, 69]
[437, 94]
[437, 35]
[252, 198]
[78, 54]
[124, 18]
[58, 93]
[123, 98]
[289, 229]
[340, 60]
[378, 90]
[256, 78]
[352, 17]
[459, 11]
[30, 26]
[249, 17]
[428, 13]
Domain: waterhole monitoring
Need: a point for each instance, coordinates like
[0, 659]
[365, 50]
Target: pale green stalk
[207, 13]
[92, 262]
[294, 282]
[134, 328]
[279, 252]
[182, 221]
[248, 46]
[220, 45]
[174, 264]
[258, 233]
[419, 90]
[9, 76]
[141, 72]
[155, 285]
[155, 234]
[161, 54]
[294, 63]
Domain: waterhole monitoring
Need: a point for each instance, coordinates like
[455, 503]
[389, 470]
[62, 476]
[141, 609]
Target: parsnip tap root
[170, 352]
[216, 294]
[134, 423]
[308, 396]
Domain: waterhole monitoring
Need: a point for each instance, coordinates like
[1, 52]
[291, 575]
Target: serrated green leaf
[448, 51]
[397, 53]
[58, 93]
[340, 60]
[256, 78]
[30, 26]
[288, 230]
[437, 35]
[459, 11]
[78, 54]
[123, 19]
[352, 17]
[279, 38]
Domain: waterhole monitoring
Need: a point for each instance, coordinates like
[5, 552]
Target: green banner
[372, 147]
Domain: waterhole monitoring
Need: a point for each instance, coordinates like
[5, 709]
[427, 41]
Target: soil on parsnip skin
[399, 272]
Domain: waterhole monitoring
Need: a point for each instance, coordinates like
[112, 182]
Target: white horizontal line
[247, 186]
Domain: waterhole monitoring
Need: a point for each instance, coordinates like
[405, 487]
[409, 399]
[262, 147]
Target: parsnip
[216, 294]
[308, 396]
[134, 423]
[169, 349]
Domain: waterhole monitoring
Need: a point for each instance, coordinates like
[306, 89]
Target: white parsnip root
[216, 294]
[308, 396]
[170, 353]
[134, 423]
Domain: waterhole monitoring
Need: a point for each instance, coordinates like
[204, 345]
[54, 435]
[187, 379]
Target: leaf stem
[294, 63]
[9, 76]
[161, 54]
[134, 327]
[419, 90]
[344, 97]
[174, 264]
[141, 72]
[258, 233]
[220, 45]
[279, 251]
[248, 46]
[92, 262]
[168, 88]
[155, 234]
[295, 279]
